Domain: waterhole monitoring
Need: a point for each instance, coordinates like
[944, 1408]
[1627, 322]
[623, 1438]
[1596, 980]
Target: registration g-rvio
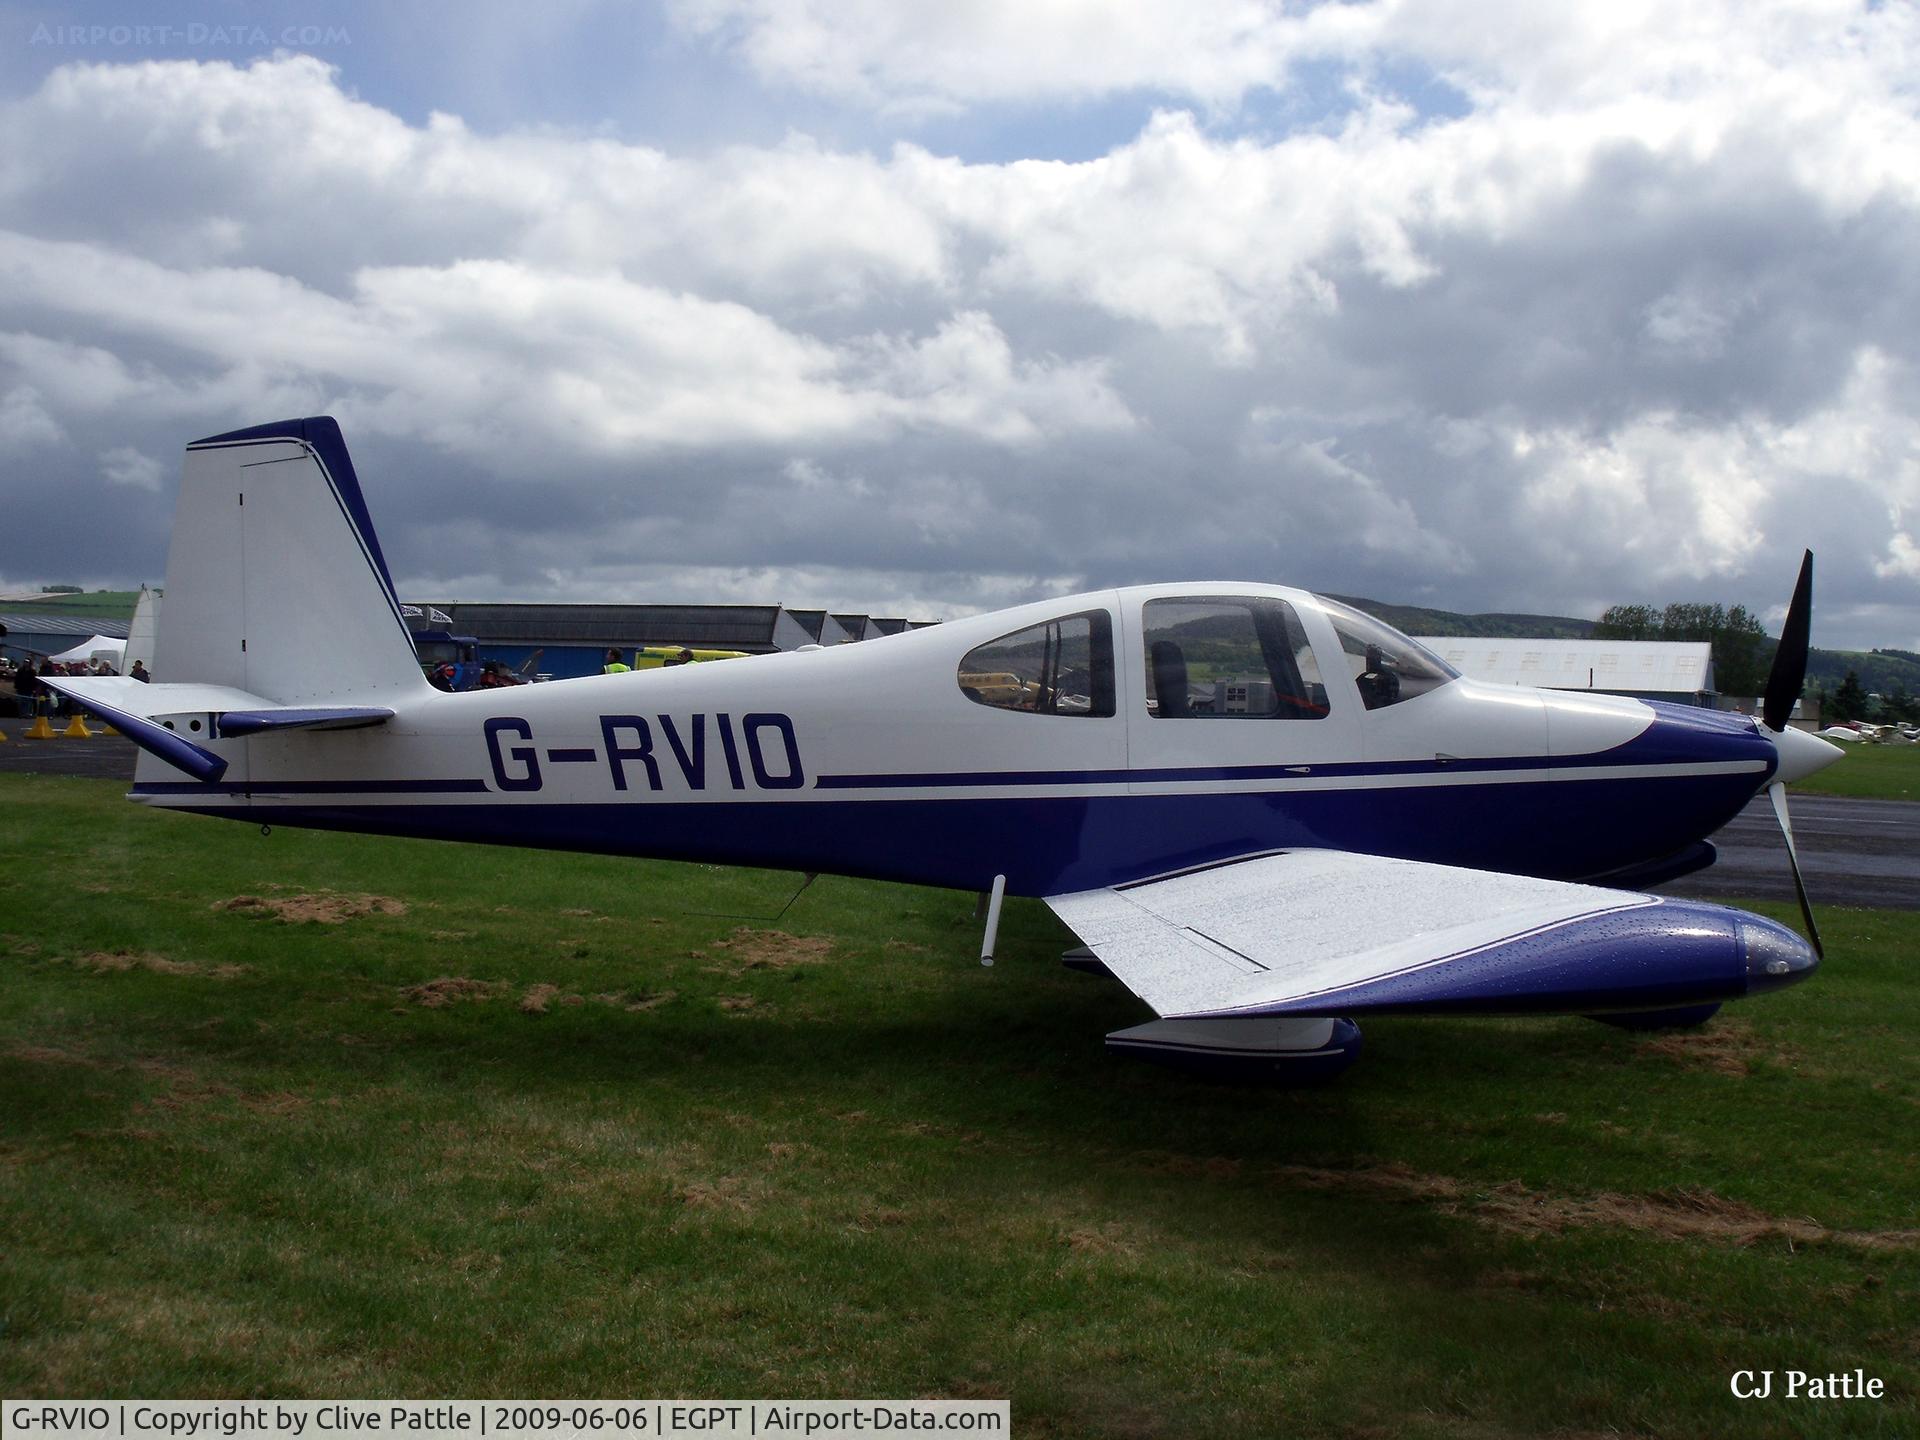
[627, 750]
[1264, 812]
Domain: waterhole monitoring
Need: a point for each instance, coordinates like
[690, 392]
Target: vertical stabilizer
[146, 614]
[275, 580]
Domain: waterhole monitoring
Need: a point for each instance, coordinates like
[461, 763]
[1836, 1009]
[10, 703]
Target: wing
[1324, 932]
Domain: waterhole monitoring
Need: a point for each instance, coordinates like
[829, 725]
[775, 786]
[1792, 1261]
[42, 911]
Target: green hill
[1881, 672]
[1416, 620]
[105, 604]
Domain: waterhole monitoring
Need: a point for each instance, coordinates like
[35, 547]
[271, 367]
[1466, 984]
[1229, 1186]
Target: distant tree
[1628, 622]
[1741, 654]
[60, 590]
[1849, 702]
[1900, 704]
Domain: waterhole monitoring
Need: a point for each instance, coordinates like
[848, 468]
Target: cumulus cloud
[1629, 311]
[486, 354]
[942, 58]
[124, 465]
[1903, 558]
[24, 421]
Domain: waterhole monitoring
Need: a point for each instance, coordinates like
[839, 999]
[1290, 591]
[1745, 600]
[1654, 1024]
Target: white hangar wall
[1679, 670]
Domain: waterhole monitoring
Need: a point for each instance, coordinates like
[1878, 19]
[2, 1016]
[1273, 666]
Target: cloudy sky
[1485, 304]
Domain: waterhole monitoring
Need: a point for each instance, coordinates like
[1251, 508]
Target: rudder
[276, 584]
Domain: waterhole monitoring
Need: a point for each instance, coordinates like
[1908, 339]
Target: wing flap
[1328, 932]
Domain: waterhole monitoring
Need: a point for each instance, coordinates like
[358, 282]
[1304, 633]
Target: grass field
[534, 1125]
[1878, 772]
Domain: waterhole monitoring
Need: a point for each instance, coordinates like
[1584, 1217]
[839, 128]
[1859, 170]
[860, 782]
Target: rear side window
[1230, 658]
[1061, 667]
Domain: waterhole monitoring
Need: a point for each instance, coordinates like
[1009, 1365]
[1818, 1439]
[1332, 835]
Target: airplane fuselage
[930, 757]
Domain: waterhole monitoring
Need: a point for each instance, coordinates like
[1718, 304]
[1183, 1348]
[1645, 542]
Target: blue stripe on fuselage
[1564, 827]
[1048, 845]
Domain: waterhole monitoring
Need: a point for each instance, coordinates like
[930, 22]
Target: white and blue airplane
[1264, 812]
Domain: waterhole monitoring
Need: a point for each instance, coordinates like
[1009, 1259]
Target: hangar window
[1234, 657]
[1064, 667]
[1387, 667]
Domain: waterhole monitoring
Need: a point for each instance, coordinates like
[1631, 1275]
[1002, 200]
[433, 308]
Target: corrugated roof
[719, 627]
[1678, 667]
[753, 628]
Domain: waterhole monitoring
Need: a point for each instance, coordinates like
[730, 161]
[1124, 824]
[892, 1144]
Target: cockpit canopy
[1238, 656]
[1387, 666]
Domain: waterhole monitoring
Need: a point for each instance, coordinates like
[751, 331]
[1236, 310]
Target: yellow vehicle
[1002, 688]
[653, 657]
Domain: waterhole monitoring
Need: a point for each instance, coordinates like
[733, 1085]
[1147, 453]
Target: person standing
[615, 665]
[27, 686]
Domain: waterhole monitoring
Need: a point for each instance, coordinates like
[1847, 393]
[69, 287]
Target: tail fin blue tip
[322, 433]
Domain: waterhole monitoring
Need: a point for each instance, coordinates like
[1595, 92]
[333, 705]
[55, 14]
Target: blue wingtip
[1775, 956]
[1661, 956]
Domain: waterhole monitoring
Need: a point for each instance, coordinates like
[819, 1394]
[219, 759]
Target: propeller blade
[1777, 793]
[1789, 671]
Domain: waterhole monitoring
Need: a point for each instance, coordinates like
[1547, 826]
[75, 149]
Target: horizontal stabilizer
[1322, 932]
[154, 715]
[153, 700]
[297, 717]
[108, 696]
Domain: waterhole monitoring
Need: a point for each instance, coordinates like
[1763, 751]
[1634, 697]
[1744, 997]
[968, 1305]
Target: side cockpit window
[1234, 657]
[1062, 667]
[1387, 667]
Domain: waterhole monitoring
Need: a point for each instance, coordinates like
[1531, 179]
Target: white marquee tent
[100, 647]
